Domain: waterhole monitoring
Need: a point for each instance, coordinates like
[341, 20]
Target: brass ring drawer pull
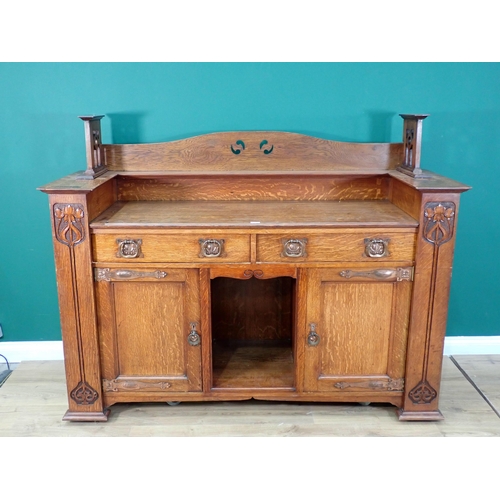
[294, 247]
[129, 249]
[211, 248]
[377, 247]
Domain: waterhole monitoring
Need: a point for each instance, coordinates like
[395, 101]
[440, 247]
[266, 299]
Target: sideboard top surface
[253, 214]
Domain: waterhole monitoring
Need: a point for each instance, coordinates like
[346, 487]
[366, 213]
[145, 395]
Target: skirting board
[16, 352]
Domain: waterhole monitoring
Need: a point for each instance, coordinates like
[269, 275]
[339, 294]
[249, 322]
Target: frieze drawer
[171, 247]
[338, 246]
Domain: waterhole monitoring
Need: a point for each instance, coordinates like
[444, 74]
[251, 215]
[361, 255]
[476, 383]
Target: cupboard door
[149, 325]
[356, 328]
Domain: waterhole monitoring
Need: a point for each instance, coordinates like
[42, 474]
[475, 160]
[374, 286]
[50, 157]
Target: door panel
[356, 318]
[150, 328]
[144, 324]
[362, 329]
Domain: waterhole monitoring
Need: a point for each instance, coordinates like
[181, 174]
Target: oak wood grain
[244, 239]
[253, 214]
[171, 247]
[336, 246]
[221, 151]
[277, 187]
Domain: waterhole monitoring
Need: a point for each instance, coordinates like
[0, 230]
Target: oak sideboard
[266, 265]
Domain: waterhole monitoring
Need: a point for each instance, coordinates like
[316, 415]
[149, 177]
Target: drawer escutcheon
[129, 249]
[377, 247]
[294, 247]
[211, 248]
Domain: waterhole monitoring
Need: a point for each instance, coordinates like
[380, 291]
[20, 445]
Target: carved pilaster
[70, 231]
[430, 305]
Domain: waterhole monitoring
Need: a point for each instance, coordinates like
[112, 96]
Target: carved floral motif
[68, 222]
[439, 222]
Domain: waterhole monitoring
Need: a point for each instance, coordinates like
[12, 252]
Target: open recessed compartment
[253, 333]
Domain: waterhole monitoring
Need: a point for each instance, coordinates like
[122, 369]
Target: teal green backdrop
[41, 139]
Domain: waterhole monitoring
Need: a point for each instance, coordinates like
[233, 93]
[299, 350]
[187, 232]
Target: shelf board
[252, 366]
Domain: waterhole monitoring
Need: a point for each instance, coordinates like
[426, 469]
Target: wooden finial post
[96, 162]
[412, 140]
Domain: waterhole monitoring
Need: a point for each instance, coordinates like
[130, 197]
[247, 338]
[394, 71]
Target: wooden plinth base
[419, 415]
[73, 416]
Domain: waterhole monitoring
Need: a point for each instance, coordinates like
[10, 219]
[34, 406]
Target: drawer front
[334, 247]
[196, 247]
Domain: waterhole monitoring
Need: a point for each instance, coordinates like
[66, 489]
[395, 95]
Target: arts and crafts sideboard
[265, 265]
